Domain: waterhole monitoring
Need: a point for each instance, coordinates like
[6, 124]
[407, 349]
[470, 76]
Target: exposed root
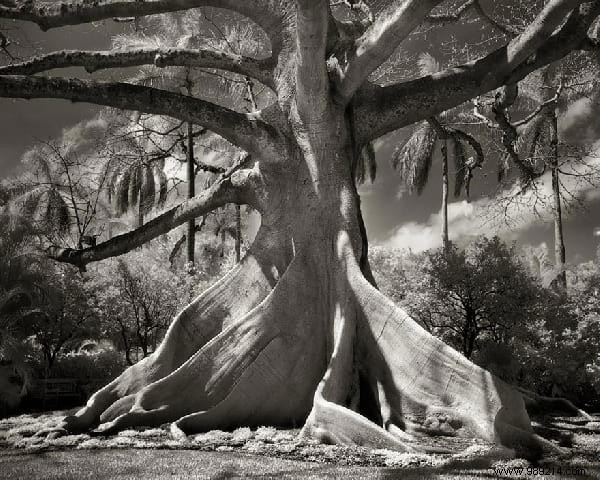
[330, 421]
[423, 381]
[244, 287]
[539, 405]
[322, 347]
[259, 370]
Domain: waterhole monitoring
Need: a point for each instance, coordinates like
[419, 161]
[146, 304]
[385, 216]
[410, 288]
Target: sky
[397, 219]
[393, 218]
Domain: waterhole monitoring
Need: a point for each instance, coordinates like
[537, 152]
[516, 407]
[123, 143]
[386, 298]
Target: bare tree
[534, 146]
[296, 332]
[61, 190]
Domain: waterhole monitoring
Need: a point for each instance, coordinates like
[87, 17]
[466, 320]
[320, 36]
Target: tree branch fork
[264, 134]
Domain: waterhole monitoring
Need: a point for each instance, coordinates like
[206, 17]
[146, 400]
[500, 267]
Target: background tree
[482, 291]
[533, 145]
[303, 291]
[67, 317]
[61, 188]
[21, 290]
[138, 296]
[414, 158]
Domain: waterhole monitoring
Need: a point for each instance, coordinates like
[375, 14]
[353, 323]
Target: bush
[91, 369]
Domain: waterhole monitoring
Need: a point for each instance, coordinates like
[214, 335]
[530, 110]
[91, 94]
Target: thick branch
[380, 110]
[232, 187]
[168, 57]
[451, 17]
[463, 9]
[534, 36]
[312, 81]
[266, 13]
[380, 40]
[244, 130]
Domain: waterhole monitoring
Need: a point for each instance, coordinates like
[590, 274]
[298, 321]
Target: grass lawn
[269, 453]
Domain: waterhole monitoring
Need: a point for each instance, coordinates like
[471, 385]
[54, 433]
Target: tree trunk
[238, 234]
[140, 212]
[295, 333]
[559, 243]
[191, 178]
[445, 241]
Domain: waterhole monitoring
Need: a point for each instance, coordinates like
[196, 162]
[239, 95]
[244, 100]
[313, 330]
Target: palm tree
[413, 159]
[140, 184]
[539, 150]
[185, 32]
[22, 290]
[40, 195]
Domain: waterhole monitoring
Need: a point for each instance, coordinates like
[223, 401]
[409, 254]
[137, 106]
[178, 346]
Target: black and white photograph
[299, 239]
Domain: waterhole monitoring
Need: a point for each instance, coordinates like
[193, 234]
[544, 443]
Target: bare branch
[380, 40]
[92, 61]
[266, 13]
[232, 187]
[463, 10]
[454, 16]
[508, 30]
[247, 131]
[380, 110]
[540, 107]
[535, 35]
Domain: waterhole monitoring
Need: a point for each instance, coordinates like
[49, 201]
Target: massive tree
[297, 333]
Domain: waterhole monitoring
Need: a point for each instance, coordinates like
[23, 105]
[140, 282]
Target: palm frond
[123, 192]
[460, 165]
[135, 184]
[366, 165]
[58, 212]
[162, 183]
[413, 159]
[428, 65]
[30, 201]
[147, 189]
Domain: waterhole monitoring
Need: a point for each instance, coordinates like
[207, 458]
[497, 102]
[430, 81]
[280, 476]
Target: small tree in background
[138, 295]
[482, 291]
[67, 316]
[60, 190]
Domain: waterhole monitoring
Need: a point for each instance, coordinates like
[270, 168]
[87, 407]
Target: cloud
[506, 215]
[419, 237]
[84, 137]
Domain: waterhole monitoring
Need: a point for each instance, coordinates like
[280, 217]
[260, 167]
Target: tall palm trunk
[238, 233]
[445, 240]
[559, 243]
[140, 212]
[191, 225]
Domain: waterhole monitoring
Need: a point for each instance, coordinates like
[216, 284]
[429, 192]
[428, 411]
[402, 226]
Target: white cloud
[488, 217]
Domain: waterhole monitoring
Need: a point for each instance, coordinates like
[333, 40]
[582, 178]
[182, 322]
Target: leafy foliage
[481, 291]
[138, 296]
[366, 165]
[413, 159]
[493, 298]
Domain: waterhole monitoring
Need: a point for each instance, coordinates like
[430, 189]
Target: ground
[270, 453]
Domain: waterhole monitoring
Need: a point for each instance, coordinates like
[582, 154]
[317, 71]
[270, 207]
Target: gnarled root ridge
[541, 405]
[319, 347]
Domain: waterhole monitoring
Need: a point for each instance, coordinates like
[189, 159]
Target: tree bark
[296, 333]
[559, 242]
[238, 234]
[191, 193]
[284, 338]
[445, 240]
